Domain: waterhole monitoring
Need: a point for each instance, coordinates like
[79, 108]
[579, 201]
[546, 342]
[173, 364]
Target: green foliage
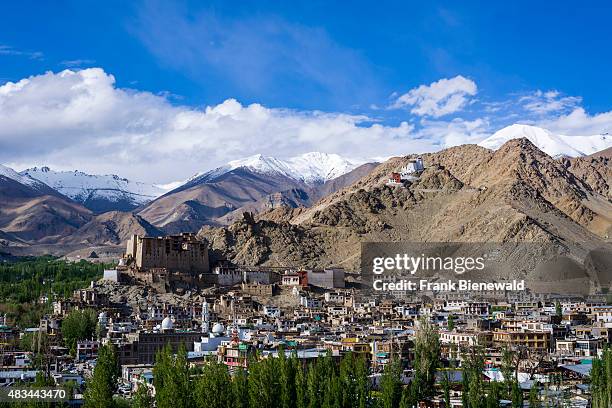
[601, 380]
[391, 385]
[264, 387]
[171, 379]
[534, 397]
[142, 397]
[34, 341]
[287, 380]
[78, 325]
[494, 395]
[426, 358]
[211, 387]
[446, 388]
[516, 395]
[24, 280]
[101, 386]
[451, 322]
[508, 369]
[473, 385]
[240, 389]
[558, 309]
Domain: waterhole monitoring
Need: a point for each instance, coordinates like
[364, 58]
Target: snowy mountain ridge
[13, 175]
[554, 145]
[83, 187]
[311, 168]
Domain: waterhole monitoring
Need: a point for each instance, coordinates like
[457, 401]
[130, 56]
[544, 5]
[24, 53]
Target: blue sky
[360, 65]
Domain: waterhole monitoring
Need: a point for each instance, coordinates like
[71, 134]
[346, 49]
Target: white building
[413, 167]
[271, 311]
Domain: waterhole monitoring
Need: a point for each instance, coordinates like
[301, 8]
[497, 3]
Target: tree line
[601, 381]
[25, 280]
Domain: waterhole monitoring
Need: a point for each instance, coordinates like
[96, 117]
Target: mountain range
[523, 182]
[552, 144]
[99, 193]
[468, 193]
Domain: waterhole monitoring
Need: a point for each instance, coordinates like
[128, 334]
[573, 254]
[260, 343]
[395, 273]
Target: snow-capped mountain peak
[310, 168]
[88, 188]
[554, 145]
[13, 175]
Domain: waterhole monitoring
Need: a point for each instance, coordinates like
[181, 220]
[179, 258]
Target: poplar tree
[101, 386]
[534, 397]
[240, 389]
[426, 357]
[171, 379]
[142, 397]
[362, 383]
[301, 392]
[211, 388]
[391, 385]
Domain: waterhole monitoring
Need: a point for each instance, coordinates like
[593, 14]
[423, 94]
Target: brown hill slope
[37, 214]
[222, 200]
[466, 194]
[111, 228]
[594, 170]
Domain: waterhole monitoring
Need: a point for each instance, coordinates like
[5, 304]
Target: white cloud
[80, 119]
[455, 132]
[579, 122]
[7, 50]
[543, 103]
[445, 96]
[77, 62]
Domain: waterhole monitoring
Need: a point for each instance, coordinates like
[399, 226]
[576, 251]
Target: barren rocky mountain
[222, 199]
[594, 170]
[38, 215]
[35, 213]
[466, 194]
[111, 228]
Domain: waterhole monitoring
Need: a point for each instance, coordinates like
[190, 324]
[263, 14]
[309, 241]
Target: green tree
[362, 383]
[534, 397]
[391, 385]
[451, 322]
[101, 386]
[171, 379]
[142, 397]
[508, 369]
[446, 388]
[474, 365]
[264, 387]
[558, 309]
[78, 325]
[313, 386]
[426, 357]
[240, 387]
[409, 396]
[211, 387]
[493, 396]
[516, 395]
[287, 380]
[601, 380]
[465, 388]
[301, 392]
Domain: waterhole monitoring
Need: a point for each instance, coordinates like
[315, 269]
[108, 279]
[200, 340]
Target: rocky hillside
[594, 170]
[30, 212]
[466, 194]
[221, 196]
[111, 228]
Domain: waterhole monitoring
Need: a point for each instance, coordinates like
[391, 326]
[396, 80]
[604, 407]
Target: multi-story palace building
[176, 253]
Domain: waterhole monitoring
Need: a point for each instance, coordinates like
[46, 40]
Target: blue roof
[581, 369]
